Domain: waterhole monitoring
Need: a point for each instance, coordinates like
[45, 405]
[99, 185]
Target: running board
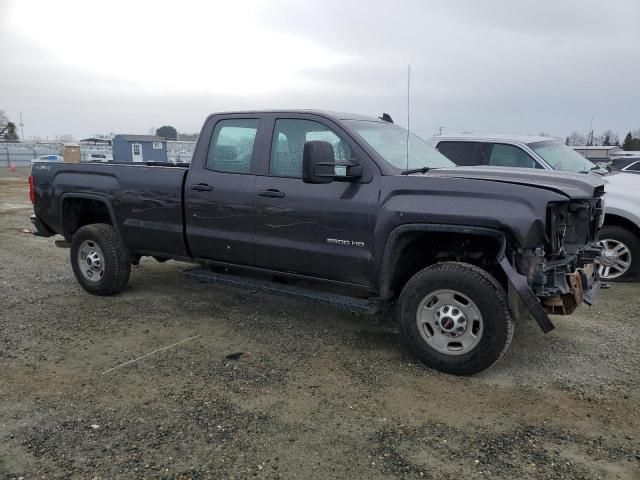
[343, 302]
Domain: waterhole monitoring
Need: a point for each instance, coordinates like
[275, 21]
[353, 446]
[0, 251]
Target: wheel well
[417, 250]
[78, 212]
[611, 219]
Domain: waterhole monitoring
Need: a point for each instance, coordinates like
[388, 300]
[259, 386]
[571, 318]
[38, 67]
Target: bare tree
[609, 137]
[576, 138]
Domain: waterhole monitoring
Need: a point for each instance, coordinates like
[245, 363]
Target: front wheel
[454, 318]
[99, 262]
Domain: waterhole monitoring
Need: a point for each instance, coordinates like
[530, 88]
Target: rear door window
[231, 148]
[461, 153]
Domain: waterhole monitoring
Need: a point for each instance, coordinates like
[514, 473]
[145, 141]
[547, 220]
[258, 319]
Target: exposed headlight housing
[572, 226]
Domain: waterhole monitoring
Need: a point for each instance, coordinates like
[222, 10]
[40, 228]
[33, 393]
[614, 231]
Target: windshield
[561, 157]
[390, 141]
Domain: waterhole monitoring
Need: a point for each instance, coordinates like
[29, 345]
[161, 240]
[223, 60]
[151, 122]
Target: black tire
[117, 265]
[632, 242]
[490, 299]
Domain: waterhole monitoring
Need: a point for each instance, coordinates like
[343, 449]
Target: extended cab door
[220, 191]
[319, 230]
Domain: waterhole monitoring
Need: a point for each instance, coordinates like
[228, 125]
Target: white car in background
[620, 235]
[98, 157]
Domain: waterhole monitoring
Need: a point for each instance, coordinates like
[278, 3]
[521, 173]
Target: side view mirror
[320, 166]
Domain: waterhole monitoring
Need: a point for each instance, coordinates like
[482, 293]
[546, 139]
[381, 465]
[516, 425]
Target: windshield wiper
[595, 168]
[415, 170]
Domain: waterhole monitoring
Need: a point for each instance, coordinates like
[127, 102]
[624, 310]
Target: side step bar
[343, 302]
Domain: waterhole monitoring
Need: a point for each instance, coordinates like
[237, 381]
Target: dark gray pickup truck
[337, 201]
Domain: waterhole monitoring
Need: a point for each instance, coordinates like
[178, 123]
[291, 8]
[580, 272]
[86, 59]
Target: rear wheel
[99, 262]
[454, 318]
[620, 260]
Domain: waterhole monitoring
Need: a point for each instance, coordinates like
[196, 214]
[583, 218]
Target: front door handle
[273, 193]
[201, 187]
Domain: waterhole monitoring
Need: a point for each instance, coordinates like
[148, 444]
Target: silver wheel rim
[449, 322]
[91, 261]
[615, 259]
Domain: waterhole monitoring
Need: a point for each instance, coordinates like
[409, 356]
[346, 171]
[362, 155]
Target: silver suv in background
[620, 236]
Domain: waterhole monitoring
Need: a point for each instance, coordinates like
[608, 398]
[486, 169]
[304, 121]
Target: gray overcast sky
[513, 66]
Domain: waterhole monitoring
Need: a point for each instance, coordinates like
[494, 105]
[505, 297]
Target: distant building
[624, 154]
[96, 141]
[597, 153]
[139, 148]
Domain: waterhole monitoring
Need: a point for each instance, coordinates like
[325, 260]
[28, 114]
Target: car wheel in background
[620, 260]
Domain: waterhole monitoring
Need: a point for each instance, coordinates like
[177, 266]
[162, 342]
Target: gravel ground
[315, 393]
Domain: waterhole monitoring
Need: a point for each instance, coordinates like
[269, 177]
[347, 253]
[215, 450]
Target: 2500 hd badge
[346, 243]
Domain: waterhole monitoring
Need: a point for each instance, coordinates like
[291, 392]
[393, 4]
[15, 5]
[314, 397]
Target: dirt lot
[317, 393]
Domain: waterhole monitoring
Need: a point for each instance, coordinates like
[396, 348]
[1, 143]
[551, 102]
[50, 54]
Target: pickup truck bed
[144, 201]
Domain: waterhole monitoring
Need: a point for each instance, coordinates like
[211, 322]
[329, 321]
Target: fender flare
[87, 196]
[516, 281]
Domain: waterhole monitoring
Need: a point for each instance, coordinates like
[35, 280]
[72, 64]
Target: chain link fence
[21, 154]
[178, 152]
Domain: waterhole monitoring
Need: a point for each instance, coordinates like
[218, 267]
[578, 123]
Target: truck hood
[571, 185]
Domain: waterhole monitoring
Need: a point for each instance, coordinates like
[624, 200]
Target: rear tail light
[32, 190]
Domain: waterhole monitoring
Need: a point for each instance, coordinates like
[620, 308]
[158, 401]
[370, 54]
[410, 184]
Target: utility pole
[21, 127]
[408, 110]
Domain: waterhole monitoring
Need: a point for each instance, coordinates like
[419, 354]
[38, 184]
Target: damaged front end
[557, 276]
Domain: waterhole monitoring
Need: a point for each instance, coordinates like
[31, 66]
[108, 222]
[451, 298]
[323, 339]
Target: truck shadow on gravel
[297, 329]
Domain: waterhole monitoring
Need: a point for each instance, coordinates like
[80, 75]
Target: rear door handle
[273, 193]
[201, 187]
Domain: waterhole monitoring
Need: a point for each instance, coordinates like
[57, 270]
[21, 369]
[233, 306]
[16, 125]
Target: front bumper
[577, 287]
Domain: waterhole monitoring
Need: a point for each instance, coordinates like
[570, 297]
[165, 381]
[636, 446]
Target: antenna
[408, 110]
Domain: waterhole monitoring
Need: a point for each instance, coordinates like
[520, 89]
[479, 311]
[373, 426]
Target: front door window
[289, 137]
[503, 155]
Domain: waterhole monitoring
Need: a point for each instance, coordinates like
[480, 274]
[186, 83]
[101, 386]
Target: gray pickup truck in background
[339, 201]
